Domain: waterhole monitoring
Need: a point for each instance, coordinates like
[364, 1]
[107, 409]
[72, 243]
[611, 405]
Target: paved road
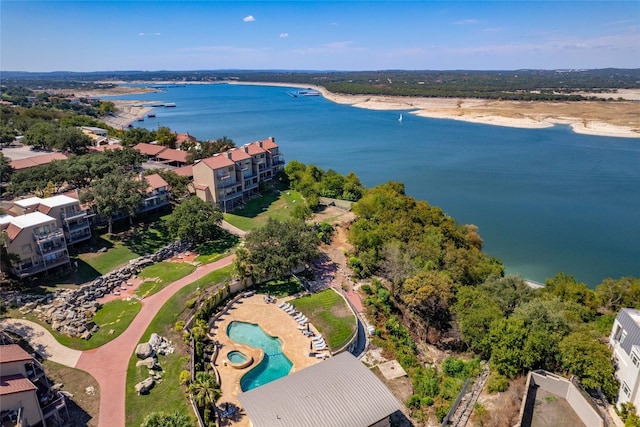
[108, 363]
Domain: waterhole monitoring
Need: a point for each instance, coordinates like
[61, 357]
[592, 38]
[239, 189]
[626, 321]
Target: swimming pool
[274, 365]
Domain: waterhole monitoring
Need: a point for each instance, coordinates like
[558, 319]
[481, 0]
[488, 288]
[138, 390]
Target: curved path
[108, 363]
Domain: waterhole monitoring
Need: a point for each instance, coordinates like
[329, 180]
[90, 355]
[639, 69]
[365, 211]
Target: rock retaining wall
[70, 311]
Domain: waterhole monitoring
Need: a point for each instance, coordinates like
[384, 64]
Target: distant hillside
[516, 85]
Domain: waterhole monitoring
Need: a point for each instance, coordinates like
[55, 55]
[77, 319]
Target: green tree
[429, 293]
[508, 292]
[567, 288]
[195, 220]
[583, 356]
[115, 193]
[161, 419]
[278, 248]
[301, 211]
[39, 136]
[475, 312]
[166, 137]
[612, 295]
[6, 170]
[178, 184]
[205, 390]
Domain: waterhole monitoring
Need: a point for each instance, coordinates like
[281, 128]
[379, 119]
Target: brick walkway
[108, 363]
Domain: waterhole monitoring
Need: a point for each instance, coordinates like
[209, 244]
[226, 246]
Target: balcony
[34, 269]
[35, 371]
[42, 237]
[227, 184]
[230, 196]
[77, 225]
[79, 236]
[69, 216]
[46, 248]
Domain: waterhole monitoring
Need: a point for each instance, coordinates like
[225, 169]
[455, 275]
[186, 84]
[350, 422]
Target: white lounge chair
[281, 305]
[302, 320]
[321, 355]
[318, 348]
[319, 339]
[298, 316]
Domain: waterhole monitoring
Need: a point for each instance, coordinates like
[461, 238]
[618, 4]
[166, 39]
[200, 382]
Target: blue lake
[545, 200]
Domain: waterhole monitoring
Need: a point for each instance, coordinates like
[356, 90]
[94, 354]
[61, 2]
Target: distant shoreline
[598, 118]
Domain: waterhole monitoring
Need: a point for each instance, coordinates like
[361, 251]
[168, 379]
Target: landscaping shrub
[497, 383]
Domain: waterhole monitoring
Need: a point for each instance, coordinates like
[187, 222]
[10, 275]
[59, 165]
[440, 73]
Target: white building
[625, 342]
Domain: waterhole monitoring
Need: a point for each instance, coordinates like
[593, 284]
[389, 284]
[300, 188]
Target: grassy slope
[167, 395]
[329, 313]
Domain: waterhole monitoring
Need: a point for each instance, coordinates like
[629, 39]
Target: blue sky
[317, 35]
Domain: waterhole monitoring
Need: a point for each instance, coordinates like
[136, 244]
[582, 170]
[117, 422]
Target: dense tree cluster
[195, 220]
[75, 172]
[312, 182]
[276, 250]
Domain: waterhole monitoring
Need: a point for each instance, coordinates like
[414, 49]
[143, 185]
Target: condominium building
[230, 178]
[157, 194]
[625, 342]
[26, 397]
[36, 241]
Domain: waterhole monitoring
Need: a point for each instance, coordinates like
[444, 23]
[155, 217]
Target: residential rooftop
[13, 353]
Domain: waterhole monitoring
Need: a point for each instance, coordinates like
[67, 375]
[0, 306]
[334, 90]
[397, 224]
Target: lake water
[545, 200]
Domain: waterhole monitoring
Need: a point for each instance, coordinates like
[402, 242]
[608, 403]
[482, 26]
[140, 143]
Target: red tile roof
[201, 187]
[13, 353]
[11, 384]
[218, 161]
[184, 137]
[254, 148]
[173, 155]
[155, 181]
[238, 154]
[13, 231]
[37, 160]
[44, 209]
[184, 171]
[149, 149]
[269, 143]
[102, 148]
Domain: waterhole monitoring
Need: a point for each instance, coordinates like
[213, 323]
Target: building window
[623, 336]
[635, 359]
[27, 249]
[625, 389]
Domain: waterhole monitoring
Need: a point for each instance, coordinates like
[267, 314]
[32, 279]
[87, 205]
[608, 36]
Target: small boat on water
[170, 104]
[141, 119]
[151, 115]
[400, 118]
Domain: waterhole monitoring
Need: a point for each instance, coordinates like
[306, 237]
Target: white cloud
[284, 35]
[249, 18]
[156, 34]
[141, 34]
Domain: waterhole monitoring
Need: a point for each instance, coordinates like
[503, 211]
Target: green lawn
[214, 250]
[330, 314]
[114, 316]
[164, 273]
[277, 204]
[279, 288]
[167, 395]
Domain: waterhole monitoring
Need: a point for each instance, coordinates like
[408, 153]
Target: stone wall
[71, 311]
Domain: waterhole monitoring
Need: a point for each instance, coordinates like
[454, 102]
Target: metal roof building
[339, 392]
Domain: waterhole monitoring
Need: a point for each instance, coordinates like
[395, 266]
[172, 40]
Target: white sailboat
[400, 118]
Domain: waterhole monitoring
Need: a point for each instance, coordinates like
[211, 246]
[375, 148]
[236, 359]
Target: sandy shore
[600, 118]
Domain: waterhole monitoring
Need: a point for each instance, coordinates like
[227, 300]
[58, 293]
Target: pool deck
[275, 322]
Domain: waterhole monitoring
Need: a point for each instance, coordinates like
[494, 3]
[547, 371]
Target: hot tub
[238, 359]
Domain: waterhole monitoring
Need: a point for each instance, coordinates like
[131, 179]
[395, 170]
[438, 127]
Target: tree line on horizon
[543, 85]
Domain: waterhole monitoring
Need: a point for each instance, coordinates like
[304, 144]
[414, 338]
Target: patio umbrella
[310, 345]
[308, 330]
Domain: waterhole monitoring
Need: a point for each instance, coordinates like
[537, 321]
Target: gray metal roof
[338, 392]
[629, 319]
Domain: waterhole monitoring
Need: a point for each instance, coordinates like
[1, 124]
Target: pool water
[274, 365]
[236, 357]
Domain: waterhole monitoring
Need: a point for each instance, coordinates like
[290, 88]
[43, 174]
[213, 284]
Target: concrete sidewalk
[42, 341]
